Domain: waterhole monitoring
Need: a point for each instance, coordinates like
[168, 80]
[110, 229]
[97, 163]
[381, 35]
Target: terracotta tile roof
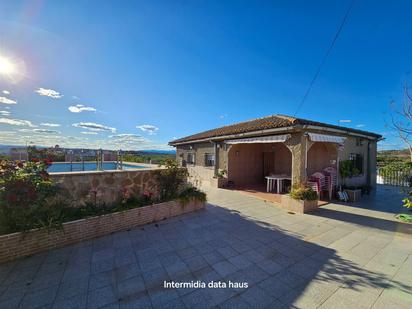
[265, 123]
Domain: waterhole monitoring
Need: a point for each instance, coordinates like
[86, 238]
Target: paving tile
[148, 265]
[253, 256]
[69, 289]
[240, 262]
[227, 252]
[269, 266]
[224, 268]
[155, 278]
[235, 303]
[207, 274]
[257, 297]
[177, 269]
[41, 282]
[290, 278]
[187, 252]
[196, 263]
[274, 287]
[349, 298]
[138, 301]
[102, 279]
[102, 265]
[101, 297]
[10, 303]
[254, 274]
[161, 296]
[197, 299]
[74, 302]
[213, 257]
[39, 298]
[219, 296]
[130, 287]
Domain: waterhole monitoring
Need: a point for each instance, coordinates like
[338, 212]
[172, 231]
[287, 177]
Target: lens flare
[12, 70]
[6, 66]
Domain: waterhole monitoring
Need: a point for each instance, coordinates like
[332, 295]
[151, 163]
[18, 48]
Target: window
[357, 161]
[209, 159]
[359, 141]
[191, 158]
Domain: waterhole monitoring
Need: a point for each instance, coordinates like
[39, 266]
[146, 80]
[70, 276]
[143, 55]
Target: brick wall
[16, 245]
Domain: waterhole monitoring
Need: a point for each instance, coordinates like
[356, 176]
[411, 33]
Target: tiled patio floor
[340, 257]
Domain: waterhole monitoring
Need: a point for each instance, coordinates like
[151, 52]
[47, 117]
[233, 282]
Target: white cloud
[151, 129]
[360, 125]
[47, 140]
[124, 135]
[89, 133]
[16, 122]
[46, 131]
[81, 108]
[5, 113]
[5, 100]
[345, 121]
[94, 126]
[49, 93]
[6, 92]
[47, 124]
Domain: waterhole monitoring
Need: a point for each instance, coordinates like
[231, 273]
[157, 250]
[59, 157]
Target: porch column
[216, 154]
[297, 144]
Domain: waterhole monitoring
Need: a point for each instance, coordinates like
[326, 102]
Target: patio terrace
[342, 256]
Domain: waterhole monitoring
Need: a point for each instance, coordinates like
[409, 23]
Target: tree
[401, 119]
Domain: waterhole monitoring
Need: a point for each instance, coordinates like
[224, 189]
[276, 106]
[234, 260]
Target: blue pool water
[88, 166]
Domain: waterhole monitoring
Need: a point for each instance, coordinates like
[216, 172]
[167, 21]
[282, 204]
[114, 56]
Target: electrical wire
[335, 38]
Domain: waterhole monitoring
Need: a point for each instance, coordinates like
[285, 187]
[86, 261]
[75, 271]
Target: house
[19, 154]
[277, 144]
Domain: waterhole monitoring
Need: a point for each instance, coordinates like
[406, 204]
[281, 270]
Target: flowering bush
[27, 196]
[303, 192]
[171, 180]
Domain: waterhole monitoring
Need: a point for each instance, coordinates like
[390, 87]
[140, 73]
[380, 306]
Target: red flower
[34, 160]
[47, 161]
[44, 175]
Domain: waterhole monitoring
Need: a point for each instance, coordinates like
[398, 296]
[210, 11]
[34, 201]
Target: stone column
[297, 145]
[216, 153]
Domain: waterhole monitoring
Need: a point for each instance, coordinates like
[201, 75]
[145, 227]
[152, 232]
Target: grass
[404, 218]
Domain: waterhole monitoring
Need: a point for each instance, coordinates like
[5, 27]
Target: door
[268, 163]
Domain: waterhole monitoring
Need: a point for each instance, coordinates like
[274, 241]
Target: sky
[138, 74]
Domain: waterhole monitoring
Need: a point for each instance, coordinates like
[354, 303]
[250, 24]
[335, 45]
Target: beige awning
[260, 140]
[326, 138]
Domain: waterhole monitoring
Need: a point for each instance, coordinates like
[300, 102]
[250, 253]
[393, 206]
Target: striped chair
[331, 180]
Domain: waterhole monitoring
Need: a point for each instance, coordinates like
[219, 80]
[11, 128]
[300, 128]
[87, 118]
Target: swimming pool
[88, 166]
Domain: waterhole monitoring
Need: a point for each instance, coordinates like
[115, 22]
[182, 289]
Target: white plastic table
[270, 182]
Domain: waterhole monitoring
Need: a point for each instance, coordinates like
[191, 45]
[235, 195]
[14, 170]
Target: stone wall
[108, 185]
[17, 245]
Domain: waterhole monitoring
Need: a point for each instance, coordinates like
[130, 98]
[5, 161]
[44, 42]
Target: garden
[30, 200]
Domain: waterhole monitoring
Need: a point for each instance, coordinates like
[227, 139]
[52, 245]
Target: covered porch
[256, 166]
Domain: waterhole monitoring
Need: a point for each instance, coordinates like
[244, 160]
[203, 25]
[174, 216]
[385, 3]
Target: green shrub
[170, 180]
[191, 193]
[28, 197]
[303, 193]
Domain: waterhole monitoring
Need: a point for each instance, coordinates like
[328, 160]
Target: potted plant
[219, 181]
[347, 170]
[302, 199]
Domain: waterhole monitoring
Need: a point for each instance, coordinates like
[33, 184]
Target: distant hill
[5, 149]
[394, 152]
[157, 151]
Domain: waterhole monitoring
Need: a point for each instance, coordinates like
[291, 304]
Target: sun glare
[6, 66]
